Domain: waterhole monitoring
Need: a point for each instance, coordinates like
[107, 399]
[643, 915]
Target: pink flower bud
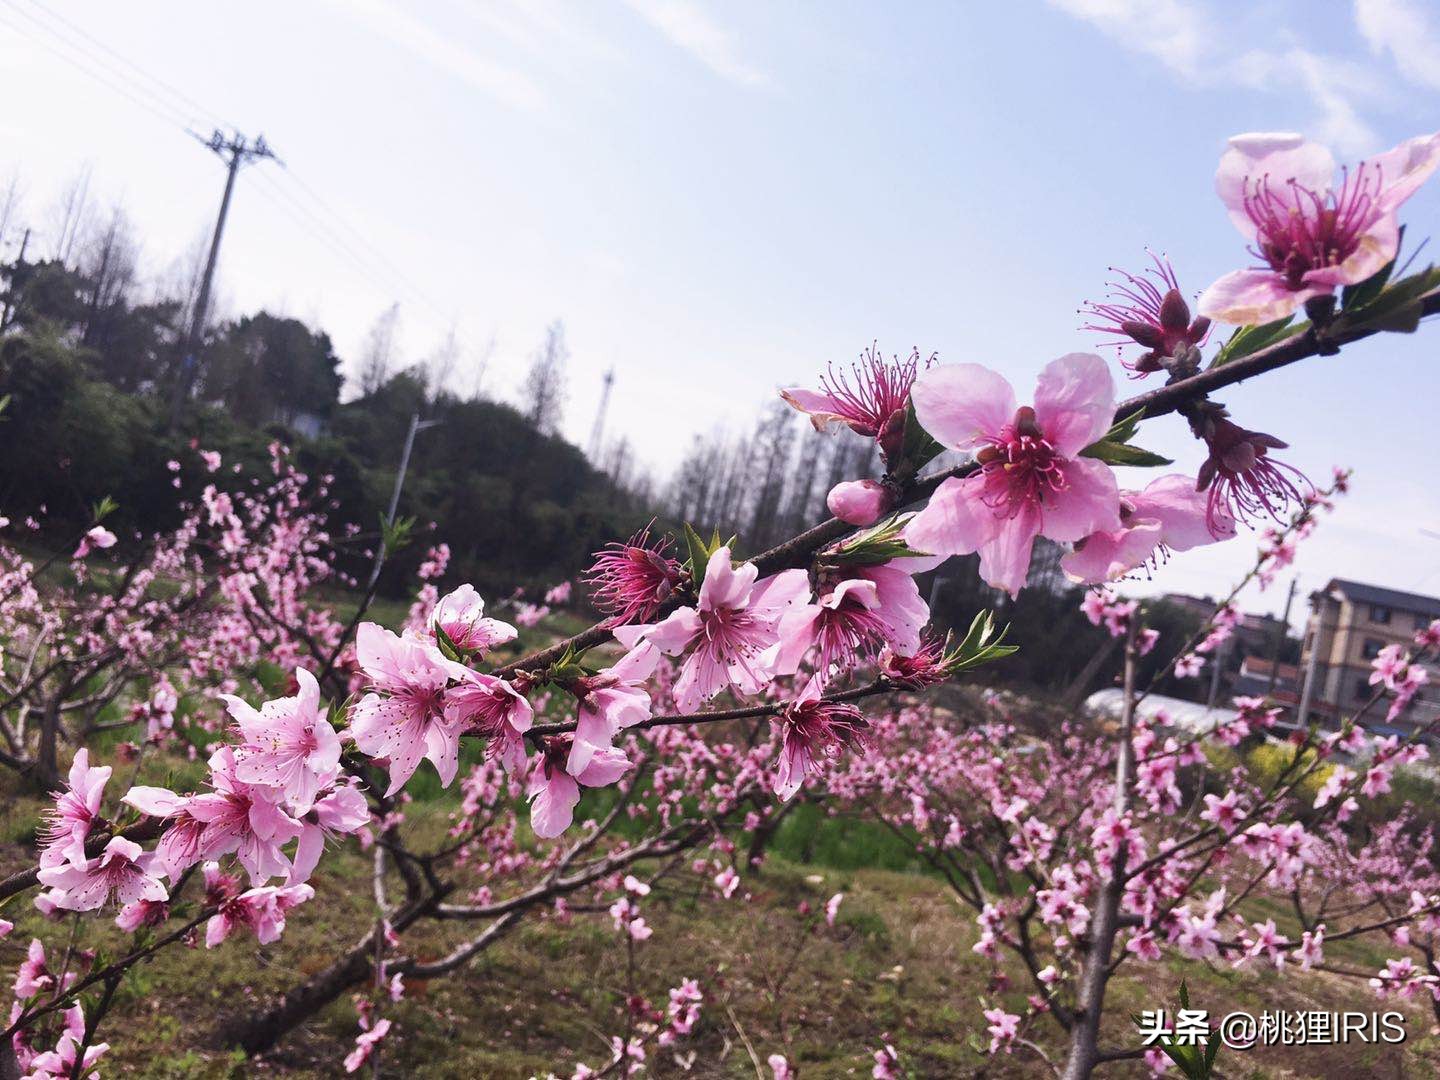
[859, 502]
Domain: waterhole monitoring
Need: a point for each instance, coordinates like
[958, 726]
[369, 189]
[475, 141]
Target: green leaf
[1362, 293]
[448, 648]
[1113, 453]
[919, 447]
[103, 509]
[1251, 339]
[699, 555]
[394, 535]
[873, 546]
[1124, 431]
[1397, 308]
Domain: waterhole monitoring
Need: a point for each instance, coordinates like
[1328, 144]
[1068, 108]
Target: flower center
[1020, 467]
[1298, 230]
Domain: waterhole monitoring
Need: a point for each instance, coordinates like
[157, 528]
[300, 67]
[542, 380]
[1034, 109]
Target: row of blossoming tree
[719, 686]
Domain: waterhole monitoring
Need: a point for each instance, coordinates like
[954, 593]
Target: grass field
[898, 966]
[898, 963]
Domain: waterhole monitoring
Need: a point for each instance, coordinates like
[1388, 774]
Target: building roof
[1260, 667]
[1361, 593]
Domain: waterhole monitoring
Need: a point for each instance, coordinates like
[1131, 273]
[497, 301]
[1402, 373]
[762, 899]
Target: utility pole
[1216, 662]
[1280, 636]
[19, 264]
[239, 152]
[598, 430]
[416, 425]
[1317, 613]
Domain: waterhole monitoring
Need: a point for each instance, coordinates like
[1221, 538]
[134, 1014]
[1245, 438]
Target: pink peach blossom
[1310, 234]
[1031, 480]
[461, 615]
[122, 870]
[68, 822]
[1169, 515]
[402, 718]
[732, 636]
[289, 743]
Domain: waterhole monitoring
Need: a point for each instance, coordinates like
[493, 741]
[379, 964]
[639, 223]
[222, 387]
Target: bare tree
[10, 203]
[109, 262]
[440, 365]
[378, 359]
[71, 214]
[479, 363]
[771, 450]
[543, 396]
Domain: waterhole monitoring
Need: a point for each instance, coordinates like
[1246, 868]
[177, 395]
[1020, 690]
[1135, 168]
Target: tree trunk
[763, 834]
[258, 1031]
[1085, 1035]
[46, 774]
[1075, 693]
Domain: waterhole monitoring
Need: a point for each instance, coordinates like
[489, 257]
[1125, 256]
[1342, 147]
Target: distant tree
[378, 359]
[543, 396]
[10, 204]
[440, 365]
[70, 215]
[772, 449]
[266, 368]
[108, 262]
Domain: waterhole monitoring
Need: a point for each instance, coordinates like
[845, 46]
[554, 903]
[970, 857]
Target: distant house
[1255, 632]
[1259, 677]
[307, 424]
[1350, 622]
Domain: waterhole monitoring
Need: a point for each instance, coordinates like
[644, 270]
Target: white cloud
[1184, 37]
[690, 27]
[392, 22]
[1171, 31]
[1401, 28]
[1332, 85]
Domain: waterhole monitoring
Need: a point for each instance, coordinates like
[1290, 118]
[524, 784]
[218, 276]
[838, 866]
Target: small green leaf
[1397, 308]
[1362, 293]
[1251, 339]
[448, 648]
[394, 535]
[1124, 431]
[1113, 453]
[699, 555]
[919, 447]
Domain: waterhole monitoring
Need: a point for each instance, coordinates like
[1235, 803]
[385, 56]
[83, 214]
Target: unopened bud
[1143, 333]
[860, 502]
[1174, 312]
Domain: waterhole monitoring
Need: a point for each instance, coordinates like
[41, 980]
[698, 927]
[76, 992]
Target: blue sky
[718, 199]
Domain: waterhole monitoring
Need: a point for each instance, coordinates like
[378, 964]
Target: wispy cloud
[1402, 29]
[1171, 31]
[1184, 36]
[689, 26]
[396, 24]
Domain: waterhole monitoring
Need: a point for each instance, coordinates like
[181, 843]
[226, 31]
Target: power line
[174, 92]
[107, 66]
[156, 107]
[277, 197]
[327, 209]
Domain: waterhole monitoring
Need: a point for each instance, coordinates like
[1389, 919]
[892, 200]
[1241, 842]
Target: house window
[1371, 648]
[1362, 689]
[1379, 614]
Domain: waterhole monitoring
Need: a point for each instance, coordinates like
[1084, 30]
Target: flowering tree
[715, 678]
